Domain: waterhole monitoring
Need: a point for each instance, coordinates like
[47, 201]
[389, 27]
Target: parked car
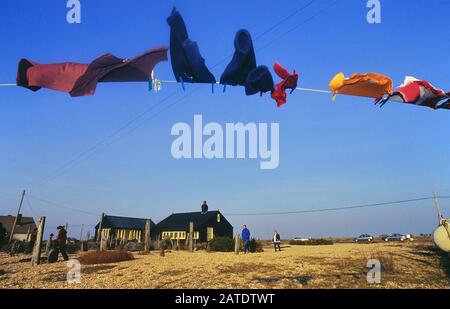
[395, 237]
[300, 239]
[363, 238]
[409, 237]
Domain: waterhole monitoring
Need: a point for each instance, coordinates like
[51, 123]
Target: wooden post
[16, 219]
[81, 232]
[191, 236]
[147, 236]
[27, 239]
[48, 245]
[36, 256]
[103, 241]
[436, 201]
[99, 230]
[81, 239]
[237, 243]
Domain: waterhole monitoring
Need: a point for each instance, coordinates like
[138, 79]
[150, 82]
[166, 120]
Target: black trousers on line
[277, 245]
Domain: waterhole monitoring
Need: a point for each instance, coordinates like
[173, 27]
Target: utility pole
[438, 207]
[16, 220]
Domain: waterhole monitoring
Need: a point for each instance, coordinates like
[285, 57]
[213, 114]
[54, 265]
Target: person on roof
[246, 238]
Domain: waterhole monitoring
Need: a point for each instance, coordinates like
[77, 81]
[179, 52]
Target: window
[218, 218]
[209, 233]
[174, 235]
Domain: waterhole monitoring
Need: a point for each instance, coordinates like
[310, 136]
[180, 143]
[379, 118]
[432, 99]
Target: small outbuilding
[25, 226]
[117, 229]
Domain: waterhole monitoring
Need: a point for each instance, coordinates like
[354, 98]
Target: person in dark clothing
[276, 241]
[61, 241]
[246, 238]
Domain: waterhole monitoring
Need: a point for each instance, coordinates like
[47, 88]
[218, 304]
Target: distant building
[207, 225]
[123, 229]
[24, 227]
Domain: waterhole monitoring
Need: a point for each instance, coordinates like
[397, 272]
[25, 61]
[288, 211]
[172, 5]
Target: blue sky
[331, 154]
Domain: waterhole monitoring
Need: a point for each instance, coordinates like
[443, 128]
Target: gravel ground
[409, 265]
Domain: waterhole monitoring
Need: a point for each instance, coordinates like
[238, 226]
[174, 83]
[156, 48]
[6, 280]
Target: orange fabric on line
[371, 85]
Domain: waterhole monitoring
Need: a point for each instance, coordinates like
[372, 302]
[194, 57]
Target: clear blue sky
[331, 154]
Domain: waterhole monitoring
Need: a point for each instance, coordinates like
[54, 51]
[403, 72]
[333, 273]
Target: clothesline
[217, 83]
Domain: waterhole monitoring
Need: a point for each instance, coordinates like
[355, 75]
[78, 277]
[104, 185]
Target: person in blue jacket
[246, 238]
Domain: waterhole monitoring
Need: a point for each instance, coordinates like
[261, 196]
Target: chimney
[204, 207]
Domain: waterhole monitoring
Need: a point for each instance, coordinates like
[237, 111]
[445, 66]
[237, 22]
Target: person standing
[246, 238]
[276, 241]
[61, 241]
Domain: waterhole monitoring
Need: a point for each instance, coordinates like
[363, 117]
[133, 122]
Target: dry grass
[342, 265]
[386, 260]
[105, 257]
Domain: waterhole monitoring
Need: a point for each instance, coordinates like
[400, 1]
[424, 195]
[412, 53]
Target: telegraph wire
[332, 209]
[337, 208]
[59, 205]
[323, 10]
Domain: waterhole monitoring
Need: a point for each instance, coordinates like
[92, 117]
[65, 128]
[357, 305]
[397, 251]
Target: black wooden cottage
[123, 229]
[207, 225]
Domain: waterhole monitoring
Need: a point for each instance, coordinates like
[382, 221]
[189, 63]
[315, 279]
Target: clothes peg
[154, 83]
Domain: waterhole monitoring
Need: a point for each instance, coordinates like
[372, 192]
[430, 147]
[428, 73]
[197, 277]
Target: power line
[326, 8]
[138, 125]
[360, 206]
[59, 205]
[300, 9]
[338, 208]
[29, 206]
[116, 132]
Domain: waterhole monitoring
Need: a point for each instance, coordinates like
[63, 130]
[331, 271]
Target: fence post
[147, 236]
[36, 255]
[81, 239]
[237, 243]
[99, 230]
[191, 236]
[103, 242]
[48, 245]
